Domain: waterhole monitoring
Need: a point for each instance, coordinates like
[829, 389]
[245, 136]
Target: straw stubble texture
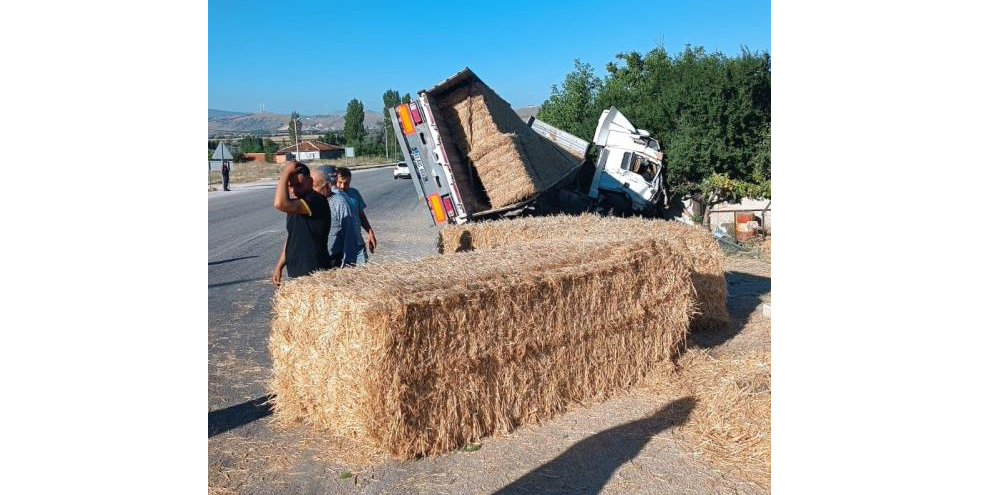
[692, 245]
[513, 162]
[423, 357]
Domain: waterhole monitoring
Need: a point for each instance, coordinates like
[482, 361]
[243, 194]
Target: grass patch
[471, 447]
[247, 172]
[345, 475]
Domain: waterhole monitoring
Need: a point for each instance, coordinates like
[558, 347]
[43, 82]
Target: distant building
[309, 150]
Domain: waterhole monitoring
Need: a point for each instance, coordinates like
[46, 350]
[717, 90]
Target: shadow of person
[587, 465]
[230, 260]
[743, 297]
[464, 242]
[229, 418]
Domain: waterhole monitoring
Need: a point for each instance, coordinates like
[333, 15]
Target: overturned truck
[471, 157]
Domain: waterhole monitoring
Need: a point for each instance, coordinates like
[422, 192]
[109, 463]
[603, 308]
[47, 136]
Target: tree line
[710, 113]
[380, 141]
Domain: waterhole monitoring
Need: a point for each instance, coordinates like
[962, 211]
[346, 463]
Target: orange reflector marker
[405, 120]
[437, 208]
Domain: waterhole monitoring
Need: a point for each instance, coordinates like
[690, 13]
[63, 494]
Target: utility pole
[295, 125]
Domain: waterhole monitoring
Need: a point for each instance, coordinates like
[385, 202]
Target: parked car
[401, 170]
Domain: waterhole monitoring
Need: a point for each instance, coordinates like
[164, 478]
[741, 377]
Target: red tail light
[448, 206]
[414, 111]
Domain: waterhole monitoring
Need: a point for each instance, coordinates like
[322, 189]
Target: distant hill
[225, 121]
[212, 113]
[526, 112]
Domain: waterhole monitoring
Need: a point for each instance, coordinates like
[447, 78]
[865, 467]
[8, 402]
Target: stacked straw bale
[513, 161]
[695, 247]
[422, 357]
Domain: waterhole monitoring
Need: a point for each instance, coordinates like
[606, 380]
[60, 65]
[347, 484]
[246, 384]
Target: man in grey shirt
[343, 224]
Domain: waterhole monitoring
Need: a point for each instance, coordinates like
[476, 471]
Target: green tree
[391, 99]
[572, 107]
[251, 144]
[354, 122]
[406, 98]
[372, 143]
[270, 147]
[333, 137]
[294, 132]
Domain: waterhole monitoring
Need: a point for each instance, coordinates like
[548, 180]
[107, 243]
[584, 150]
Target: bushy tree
[270, 147]
[354, 122]
[251, 144]
[333, 137]
[572, 107]
[391, 99]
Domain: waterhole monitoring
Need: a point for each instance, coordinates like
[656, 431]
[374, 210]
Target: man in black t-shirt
[307, 223]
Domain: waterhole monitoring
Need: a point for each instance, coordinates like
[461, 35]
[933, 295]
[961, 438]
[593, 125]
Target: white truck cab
[630, 162]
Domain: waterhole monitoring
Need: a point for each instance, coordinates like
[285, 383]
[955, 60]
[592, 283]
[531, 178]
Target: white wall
[717, 219]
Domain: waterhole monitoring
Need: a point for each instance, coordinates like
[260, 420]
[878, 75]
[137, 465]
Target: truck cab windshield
[640, 165]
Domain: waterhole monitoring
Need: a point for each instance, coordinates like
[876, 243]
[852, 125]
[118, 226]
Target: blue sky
[345, 50]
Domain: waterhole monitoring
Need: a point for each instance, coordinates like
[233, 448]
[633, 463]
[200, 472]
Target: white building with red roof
[309, 150]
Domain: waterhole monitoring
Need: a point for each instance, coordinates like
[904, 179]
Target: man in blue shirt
[358, 205]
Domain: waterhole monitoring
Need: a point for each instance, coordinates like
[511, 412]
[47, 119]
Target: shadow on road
[743, 296]
[588, 465]
[232, 417]
[224, 284]
[221, 262]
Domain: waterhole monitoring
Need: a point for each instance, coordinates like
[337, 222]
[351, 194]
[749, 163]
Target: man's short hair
[302, 169]
[346, 172]
[329, 172]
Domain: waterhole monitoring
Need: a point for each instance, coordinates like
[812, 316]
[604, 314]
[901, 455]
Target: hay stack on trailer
[695, 247]
[423, 357]
[512, 162]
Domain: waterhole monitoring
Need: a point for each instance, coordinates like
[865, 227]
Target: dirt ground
[634, 442]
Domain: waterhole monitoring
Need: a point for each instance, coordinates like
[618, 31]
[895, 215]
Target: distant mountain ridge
[226, 121]
[213, 113]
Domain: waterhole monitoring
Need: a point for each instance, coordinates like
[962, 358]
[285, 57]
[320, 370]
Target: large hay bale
[696, 248]
[513, 162]
[423, 357]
